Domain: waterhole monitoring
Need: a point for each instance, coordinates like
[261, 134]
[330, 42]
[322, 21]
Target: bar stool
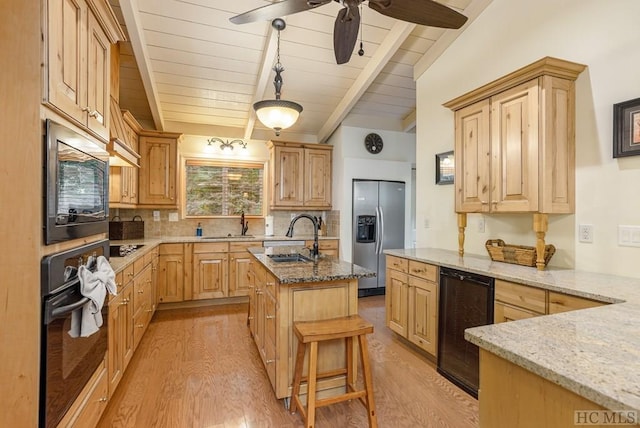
[309, 334]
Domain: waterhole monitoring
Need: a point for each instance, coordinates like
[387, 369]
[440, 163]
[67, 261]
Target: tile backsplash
[226, 226]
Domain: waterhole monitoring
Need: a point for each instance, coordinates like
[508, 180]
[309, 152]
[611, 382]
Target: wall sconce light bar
[224, 145]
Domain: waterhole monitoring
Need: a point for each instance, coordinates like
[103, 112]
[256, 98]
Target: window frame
[189, 161]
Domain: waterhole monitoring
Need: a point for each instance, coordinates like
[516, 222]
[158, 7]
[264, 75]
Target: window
[216, 189]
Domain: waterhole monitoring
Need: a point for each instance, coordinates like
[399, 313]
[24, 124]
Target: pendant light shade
[277, 114]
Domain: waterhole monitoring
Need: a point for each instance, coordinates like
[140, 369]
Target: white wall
[351, 160]
[510, 34]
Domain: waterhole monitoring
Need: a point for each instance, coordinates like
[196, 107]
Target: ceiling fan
[345, 30]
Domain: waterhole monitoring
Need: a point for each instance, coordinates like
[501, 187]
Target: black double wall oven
[75, 189]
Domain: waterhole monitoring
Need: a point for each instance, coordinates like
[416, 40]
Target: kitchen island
[282, 293]
[539, 371]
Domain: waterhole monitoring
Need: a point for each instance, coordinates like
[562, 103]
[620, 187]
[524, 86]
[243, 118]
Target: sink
[228, 236]
[289, 258]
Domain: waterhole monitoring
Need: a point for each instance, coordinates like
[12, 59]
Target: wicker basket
[516, 254]
[120, 230]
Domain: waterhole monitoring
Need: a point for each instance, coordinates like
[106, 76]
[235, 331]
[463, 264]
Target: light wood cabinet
[514, 301]
[210, 277]
[158, 175]
[563, 303]
[300, 175]
[412, 301]
[144, 306]
[171, 273]
[329, 247]
[78, 61]
[515, 145]
[121, 345]
[239, 263]
[275, 307]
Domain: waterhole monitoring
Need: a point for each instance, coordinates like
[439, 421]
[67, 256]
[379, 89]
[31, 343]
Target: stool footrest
[332, 373]
[340, 398]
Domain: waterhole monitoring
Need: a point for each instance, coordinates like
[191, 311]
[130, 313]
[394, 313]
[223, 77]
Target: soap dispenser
[199, 230]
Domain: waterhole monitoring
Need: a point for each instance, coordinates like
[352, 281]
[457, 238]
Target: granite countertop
[325, 268]
[147, 244]
[593, 352]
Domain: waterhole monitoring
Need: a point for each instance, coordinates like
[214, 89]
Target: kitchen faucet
[314, 252]
[245, 224]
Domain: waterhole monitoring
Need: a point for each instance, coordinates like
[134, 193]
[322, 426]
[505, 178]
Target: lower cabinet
[171, 273]
[515, 302]
[326, 246]
[120, 330]
[412, 302]
[562, 303]
[92, 401]
[210, 270]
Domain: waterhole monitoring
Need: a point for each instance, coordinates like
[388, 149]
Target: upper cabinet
[158, 175]
[300, 175]
[78, 36]
[514, 141]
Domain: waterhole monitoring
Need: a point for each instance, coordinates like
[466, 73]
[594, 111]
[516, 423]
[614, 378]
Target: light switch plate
[481, 224]
[156, 216]
[628, 236]
[173, 216]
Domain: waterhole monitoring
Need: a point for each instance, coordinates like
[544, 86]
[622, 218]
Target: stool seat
[309, 334]
[335, 328]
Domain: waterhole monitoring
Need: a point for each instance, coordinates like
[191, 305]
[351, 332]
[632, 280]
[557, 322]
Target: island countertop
[593, 352]
[324, 269]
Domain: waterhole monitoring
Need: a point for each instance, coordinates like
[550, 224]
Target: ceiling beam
[472, 11]
[409, 121]
[131, 14]
[397, 35]
[268, 55]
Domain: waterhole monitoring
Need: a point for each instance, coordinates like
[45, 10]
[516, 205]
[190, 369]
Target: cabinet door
[238, 271]
[171, 278]
[157, 176]
[116, 368]
[317, 177]
[66, 43]
[251, 286]
[472, 152]
[98, 71]
[514, 149]
[423, 314]
[288, 177]
[209, 275]
[396, 301]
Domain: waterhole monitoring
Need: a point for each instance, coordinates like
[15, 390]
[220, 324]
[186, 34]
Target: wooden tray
[516, 254]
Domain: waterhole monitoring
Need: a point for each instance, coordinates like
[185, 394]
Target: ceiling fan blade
[423, 12]
[345, 34]
[276, 10]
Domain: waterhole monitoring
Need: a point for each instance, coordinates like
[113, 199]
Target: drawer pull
[140, 291]
[140, 325]
[270, 317]
[103, 400]
[149, 310]
[270, 361]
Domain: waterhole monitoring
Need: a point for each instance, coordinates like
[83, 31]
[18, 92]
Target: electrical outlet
[156, 216]
[585, 233]
[481, 224]
[173, 216]
[426, 223]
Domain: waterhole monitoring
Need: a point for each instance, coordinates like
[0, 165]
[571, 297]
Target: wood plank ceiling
[188, 69]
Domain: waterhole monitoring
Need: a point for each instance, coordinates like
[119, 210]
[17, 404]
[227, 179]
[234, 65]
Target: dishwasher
[466, 300]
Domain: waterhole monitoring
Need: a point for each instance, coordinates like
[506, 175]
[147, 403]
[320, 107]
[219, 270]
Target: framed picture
[626, 128]
[445, 168]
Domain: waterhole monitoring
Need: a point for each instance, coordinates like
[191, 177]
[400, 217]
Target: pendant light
[277, 114]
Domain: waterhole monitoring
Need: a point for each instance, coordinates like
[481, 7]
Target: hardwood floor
[200, 368]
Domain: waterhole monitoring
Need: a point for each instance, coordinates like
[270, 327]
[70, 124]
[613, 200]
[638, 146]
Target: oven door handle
[64, 310]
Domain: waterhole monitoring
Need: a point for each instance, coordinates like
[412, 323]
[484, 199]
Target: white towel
[94, 285]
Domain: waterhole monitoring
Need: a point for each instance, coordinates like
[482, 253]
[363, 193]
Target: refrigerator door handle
[377, 248]
[381, 228]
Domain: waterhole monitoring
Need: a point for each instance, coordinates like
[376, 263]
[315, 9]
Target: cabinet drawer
[397, 263]
[531, 298]
[91, 402]
[167, 249]
[242, 246]
[127, 274]
[140, 322]
[423, 270]
[148, 258]
[141, 293]
[504, 313]
[138, 265]
[563, 303]
[211, 247]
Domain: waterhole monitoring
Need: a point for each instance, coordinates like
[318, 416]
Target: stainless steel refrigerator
[378, 224]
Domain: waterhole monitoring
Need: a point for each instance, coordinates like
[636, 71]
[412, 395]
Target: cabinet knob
[270, 317]
[102, 399]
[259, 292]
[140, 291]
[250, 318]
[270, 361]
[139, 325]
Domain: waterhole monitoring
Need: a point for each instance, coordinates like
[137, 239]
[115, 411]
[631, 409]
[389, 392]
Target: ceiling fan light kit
[345, 33]
[277, 114]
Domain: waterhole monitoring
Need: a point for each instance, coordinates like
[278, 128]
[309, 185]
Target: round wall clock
[373, 143]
